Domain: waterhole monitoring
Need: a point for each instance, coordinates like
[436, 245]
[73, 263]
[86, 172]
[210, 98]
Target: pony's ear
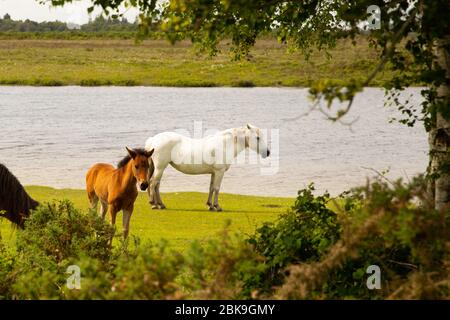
[131, 152]
[148, 154]
[249, 126]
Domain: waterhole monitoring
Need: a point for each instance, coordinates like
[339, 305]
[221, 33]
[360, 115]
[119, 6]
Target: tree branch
[389, 52]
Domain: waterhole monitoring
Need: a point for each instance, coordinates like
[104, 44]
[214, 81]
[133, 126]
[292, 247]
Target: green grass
[157, 63]
[185, 220]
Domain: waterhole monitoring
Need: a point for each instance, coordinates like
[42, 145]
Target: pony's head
[140, 165]
[254, 140]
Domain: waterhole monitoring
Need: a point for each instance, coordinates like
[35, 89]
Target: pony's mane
[122, 163]
[14, 200]
[232, 130]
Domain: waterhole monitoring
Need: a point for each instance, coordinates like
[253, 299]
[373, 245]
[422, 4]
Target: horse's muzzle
[144, 186]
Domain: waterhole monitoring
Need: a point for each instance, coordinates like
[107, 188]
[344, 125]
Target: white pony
[210, 155]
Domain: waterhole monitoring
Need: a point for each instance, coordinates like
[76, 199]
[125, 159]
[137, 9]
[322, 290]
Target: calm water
[51, 136]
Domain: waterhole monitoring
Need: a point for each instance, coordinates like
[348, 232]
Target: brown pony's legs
[93, 200]
[103, 208]
[113, 213]
[126, 220]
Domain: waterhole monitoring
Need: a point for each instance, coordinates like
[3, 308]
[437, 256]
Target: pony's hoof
[162, 207]
[218, 209]
[155, 207]
[212, 209]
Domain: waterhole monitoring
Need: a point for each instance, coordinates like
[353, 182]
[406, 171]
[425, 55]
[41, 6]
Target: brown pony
[15, 203]
[116, 188]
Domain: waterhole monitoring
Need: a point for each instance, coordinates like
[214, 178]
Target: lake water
[51, 136]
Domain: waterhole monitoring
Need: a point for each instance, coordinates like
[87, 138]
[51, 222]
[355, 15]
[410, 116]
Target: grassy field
[157, 63]
[185, 220]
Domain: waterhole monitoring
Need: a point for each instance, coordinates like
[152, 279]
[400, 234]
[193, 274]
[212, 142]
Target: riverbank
[185, 220]
[91, 62]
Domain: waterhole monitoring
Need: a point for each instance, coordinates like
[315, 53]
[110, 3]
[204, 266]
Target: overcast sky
[31, 9]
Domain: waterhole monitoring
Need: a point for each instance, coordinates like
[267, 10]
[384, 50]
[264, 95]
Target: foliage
[389, 224]
[7, 24]
[99, 24]
[57, 236]
[219, 269]
[320, 248]
[302, 234]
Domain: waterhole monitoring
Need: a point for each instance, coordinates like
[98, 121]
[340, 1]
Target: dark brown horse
[15, 203]
[116, 187]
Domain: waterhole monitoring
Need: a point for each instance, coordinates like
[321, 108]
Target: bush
[243, 84]
[300, 235]
[60, 231]
[320, 248]
[220, 268]
[57, 236]
[389, 224]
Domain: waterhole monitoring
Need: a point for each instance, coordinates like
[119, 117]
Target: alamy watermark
[374, 20]
[74, 280]
[374, 280]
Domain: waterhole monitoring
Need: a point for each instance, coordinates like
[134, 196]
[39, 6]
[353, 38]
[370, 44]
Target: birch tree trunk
[439, 136]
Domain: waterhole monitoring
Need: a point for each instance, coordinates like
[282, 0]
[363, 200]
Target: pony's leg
[210, 195]
[154, 186]
[113, 212]
[151, 193]
[126, 221]
[93, 199]
[217, 182]
[158, 197]
[103, 208]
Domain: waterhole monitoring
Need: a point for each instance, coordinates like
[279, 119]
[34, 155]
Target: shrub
[60, 231]
[393, 226]
[243, 84]
[302, 234]
[220, 268]
[57, 235]
[320, 248]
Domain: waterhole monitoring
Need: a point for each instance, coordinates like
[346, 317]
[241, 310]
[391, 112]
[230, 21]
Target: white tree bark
[439, 137]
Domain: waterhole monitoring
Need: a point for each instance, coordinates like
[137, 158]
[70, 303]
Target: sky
[31, 9]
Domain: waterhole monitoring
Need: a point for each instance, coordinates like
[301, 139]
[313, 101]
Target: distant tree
[413, 38]
[103, 24]
[99, 24]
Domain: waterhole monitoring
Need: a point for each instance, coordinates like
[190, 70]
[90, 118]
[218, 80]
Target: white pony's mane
[233, 131]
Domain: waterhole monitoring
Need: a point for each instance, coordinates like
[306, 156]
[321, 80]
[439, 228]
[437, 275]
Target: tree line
[99, 24]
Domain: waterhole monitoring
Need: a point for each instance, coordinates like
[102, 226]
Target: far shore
[157, 63]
